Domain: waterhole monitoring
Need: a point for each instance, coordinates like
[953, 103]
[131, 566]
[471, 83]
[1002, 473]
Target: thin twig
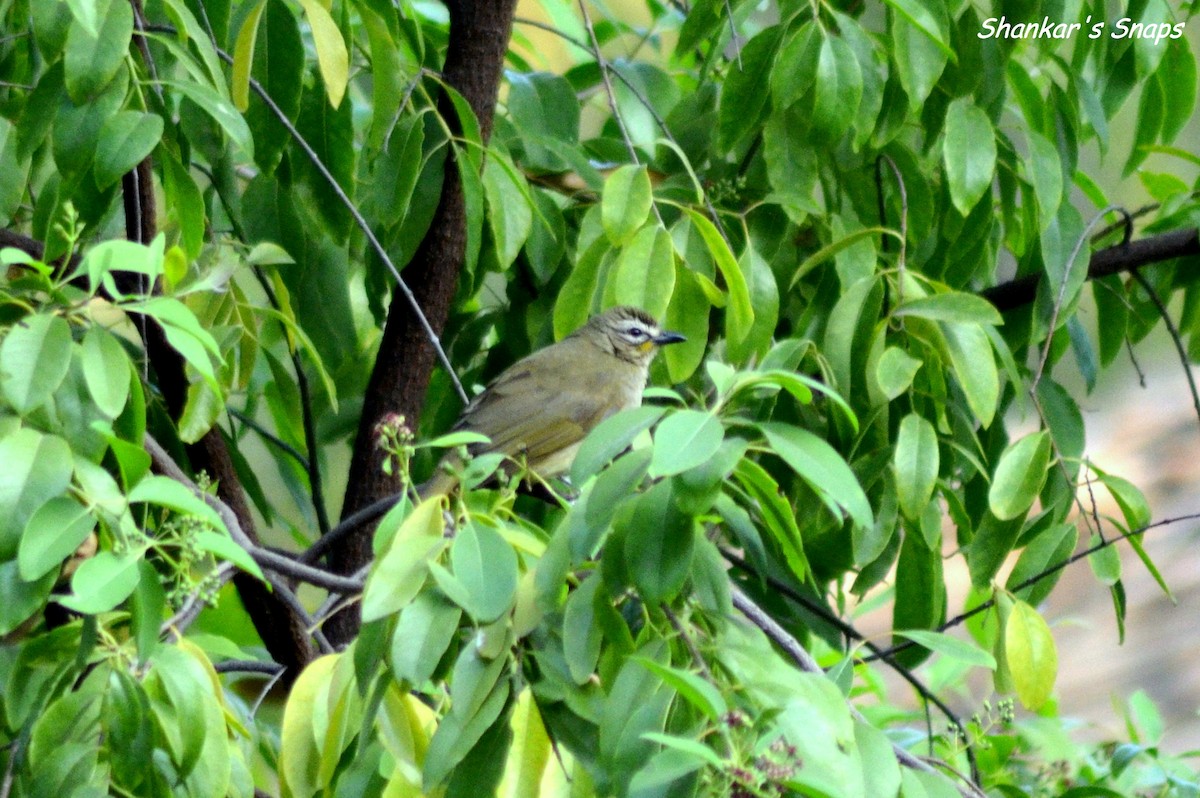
[347, 526]
[1061, 298]
[901, 257]
[364, 226]
[602, 62]
[269, 437]
[1033, 580]
[193, 605]
[1173, 331]
[311, 463]
[262, 696]
[336, 602]
[10, 768]
[285, 594]
[1133, 361]
[680, 630]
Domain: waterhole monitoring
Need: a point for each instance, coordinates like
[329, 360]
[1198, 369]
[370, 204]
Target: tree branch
[1104, 262]
[479, 36]
[1033, 580]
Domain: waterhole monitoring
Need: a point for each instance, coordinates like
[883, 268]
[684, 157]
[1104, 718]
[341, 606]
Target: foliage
[820, 198]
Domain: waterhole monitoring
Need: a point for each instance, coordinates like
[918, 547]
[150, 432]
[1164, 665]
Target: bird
[540, 409]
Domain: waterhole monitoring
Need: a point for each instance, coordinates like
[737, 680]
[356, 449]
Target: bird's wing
[530, 409]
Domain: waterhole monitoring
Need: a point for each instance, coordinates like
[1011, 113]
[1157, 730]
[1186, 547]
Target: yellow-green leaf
[332, 57]
[1031, 655]
[243, 57]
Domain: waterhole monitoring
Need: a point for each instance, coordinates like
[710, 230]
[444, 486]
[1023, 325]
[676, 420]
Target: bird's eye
[636, 332]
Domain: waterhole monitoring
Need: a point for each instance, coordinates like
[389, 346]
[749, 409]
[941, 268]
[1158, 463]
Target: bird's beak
[668, 337]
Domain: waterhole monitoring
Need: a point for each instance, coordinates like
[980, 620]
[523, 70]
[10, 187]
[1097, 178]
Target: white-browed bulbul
[540, 409]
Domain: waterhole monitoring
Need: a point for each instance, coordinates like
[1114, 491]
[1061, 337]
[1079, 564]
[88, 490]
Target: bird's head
[629, 333]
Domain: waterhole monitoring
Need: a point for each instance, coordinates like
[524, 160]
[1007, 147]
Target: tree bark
[479, 35]
[1104, 262]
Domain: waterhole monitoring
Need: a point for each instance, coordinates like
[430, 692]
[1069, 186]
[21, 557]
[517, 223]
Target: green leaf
[166, 492]
[764, 298]
[456, 735]
[881, 771]
[15, 166]
[644, 274]
[1031, 655]
[1044, 169]
[917, 461]
[685, 439]
[53, 533]
[920, 591]
[625, 203]
[822, 468]
[969, 151]
[776, 513]
[146, 608]
[225, 548]
[185, 335]
[1019, 476]
[94, 56]
[744, 95]
[637, 703]
[590, 517]
[970, 352]
[543, 106]
[185, 205]
[34, 359]
[1105, 561]
[277, 62]
[792, 74]
[220, 109]
[299, 743]
[838, 88]
[1048, 548]
[486, 565]
[950, 647]
[611, 436]
[19, 599]
[243, 56]
[400, 572]
[581, 635]
[659, 544]
[953, 306]
[1129, 498]
[928, 16]
[919, 47]
[739, 315]
[106, 371]
[895, 370]
[793, 169]
[687, 314]
[126, 138]
[1177, 74]
[423, 633]
[695, 689]
[332, 56]
[36, 468]
[103, 581]
[509, 212]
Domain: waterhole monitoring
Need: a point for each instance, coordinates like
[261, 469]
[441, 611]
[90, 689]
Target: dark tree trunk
[479, 34]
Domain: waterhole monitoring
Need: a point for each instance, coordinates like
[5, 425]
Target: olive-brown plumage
[541, 408]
